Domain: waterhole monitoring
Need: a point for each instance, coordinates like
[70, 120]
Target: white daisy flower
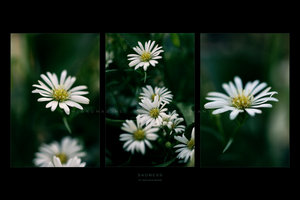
[60, 92]
[176, 127]
[138, 135]
[172, 121]
[66, 150]
[238, 100]
[146, 55]
[187, 148]
[163, 94]
[167, 120]
[73, 162]
[152, 112]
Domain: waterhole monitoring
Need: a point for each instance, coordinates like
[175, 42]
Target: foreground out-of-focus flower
[73, 162]
[56, 154]
[109, 56]
[239, 99]
[60, 93]
[138, 135]
[164, 95]
[187, 148]
[146, 55]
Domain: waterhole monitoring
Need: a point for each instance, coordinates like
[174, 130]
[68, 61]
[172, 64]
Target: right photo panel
[244, 100]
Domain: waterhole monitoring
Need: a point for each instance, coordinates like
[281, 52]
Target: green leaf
[228, 145]
[187, 112]
[166, 163]
[114, 122]
[67, 125]
[175, 39]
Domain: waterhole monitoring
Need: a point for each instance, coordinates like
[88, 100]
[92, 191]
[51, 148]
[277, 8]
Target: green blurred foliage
[31, 123]
[263, 141]
[123, 85]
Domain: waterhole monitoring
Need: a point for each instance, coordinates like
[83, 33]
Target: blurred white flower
[109, 56]
[146, 55]
[138, 135]
[59, 92]
[187, 148]
[73, 162]
[152, 112]
[163, 94]
[66, 150]
[176, 126]
[239, 99]
[172, 121]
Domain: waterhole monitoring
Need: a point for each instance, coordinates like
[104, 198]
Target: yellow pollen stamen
[145, 57]
[139, 134]
[241, 101]
[62, 157]
[153, 96]
[154, 113]
[191, 144]
[60, 94]
[173, 126]
[166, 119]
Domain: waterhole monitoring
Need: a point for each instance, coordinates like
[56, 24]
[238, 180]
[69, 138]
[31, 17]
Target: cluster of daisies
[153, 119]
[59, 93]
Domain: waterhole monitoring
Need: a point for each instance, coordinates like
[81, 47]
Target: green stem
[145, 77]
[230, 141]
[67, 124]
[128, 161]
[116, 70]
[220, 128]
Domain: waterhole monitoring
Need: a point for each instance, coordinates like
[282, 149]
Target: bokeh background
[31, 123]
[263, 141]
[123, 84]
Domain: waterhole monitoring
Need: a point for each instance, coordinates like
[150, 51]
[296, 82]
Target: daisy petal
[63, 77]
[44, 99]
[222, 110]
[64, 106]
[234, 114]
[215, 104]
[74, 104]
[252, 112]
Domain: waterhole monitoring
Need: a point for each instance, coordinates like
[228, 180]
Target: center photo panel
[149, 100]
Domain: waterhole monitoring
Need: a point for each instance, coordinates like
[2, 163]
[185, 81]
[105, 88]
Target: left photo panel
[54, 102]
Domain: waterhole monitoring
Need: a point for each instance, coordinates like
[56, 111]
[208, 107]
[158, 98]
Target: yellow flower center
[139, 134]
[60, 94]
[166, 119]
[241, 101]
[191, 144]
[145, 57]
[173, 126]
[154, 112]
[62, 157]
[153, 96]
